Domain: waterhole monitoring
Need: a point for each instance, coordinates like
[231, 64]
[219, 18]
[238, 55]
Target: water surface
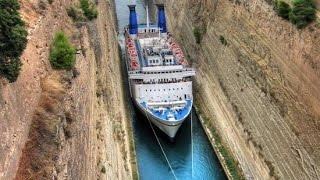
[152, 165]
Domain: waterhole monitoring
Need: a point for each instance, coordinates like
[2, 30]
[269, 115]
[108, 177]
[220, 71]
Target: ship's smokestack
[162, 18]
[133, 26]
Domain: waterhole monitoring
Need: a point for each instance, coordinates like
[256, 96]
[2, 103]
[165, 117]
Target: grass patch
[88, 9]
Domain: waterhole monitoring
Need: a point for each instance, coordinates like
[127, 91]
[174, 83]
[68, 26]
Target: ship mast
[147, 18]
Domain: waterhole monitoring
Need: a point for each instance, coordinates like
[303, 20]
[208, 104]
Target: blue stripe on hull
[170, 128]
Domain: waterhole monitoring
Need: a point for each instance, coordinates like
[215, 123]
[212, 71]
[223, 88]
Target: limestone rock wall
[18, 100]
[92, 138]
[258, 80]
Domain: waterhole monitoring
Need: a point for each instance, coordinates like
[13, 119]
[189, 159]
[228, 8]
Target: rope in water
[164, 154]
[191, 147]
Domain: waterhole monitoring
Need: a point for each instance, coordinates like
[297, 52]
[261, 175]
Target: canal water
[202, 164]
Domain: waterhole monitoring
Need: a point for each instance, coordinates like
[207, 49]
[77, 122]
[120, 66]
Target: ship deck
[178, 115]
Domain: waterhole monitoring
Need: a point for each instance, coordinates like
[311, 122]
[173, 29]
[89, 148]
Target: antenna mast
[147, 17]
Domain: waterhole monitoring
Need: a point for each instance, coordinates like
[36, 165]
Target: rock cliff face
[80, 133]
[258, 80]
[18, 100]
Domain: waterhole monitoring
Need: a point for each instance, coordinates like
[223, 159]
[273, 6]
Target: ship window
[173, 88]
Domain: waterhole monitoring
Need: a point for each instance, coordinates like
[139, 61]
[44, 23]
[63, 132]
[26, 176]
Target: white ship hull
[159, 77]
[170, 128]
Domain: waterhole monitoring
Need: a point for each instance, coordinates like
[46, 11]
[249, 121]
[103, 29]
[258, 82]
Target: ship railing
[169, 103]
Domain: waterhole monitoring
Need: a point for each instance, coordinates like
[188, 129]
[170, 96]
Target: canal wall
[66, 125]
[256, 83]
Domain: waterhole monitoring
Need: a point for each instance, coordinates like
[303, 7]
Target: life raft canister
[181, 61]
[134, 64]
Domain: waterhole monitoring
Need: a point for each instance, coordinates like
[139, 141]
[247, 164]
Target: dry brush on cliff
[49, 130]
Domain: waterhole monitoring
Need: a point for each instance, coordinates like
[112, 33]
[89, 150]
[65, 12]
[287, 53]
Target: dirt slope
[18, 100]
[258, 80]
[87, 132]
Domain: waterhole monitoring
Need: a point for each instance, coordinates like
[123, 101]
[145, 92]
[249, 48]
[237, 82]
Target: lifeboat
[181, 61]
[133, 55]
[180, 55]
[134, 64]
[130, 45]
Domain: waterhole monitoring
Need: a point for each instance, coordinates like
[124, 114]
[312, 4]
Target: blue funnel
[161, 18]
[133, 26]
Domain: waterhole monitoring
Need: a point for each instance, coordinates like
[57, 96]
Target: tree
[303, 12]
[13, 39]
[62, 53]
[283, 9]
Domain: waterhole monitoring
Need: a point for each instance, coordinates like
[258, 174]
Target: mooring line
[164, 154]
[191, 147]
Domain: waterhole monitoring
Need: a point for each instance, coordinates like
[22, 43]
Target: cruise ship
[159, 77]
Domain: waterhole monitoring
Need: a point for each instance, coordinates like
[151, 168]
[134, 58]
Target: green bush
[197, 35]
[303, 12]
[62, 53]
[88, 9]
[283, 9]
[13, 39]
[223, 41]
[74, 13]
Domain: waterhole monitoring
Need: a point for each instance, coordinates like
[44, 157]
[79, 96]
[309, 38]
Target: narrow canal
[152, 165]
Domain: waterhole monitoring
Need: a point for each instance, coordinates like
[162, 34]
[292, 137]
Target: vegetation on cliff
[62, 53]
[231, 165]
[302, 12]
[13, 39]
[197, 35]
[283, 9]
[87, 11]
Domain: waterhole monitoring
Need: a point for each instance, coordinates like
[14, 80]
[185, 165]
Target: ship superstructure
[159, 77]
